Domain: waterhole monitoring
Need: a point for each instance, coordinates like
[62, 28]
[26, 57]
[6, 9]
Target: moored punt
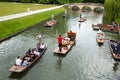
[95, 27]
[66, 47]
[50, 23]
[100, 37]
[82, 20]
[109, 28]
[113, 50]
[18, 69]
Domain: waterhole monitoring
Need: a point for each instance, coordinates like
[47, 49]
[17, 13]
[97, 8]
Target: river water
[86, 60]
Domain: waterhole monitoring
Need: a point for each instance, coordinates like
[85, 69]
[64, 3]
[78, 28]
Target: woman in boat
[18, 61]
[25, 63]
[60, 42]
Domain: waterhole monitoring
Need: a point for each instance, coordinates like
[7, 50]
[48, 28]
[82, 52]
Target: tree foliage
[112, 10]
[94, 1]
[55, 1]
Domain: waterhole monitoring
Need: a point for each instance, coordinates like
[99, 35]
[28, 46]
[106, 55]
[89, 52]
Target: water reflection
[18, 76]
[115, 65]
[59, 63]
[85, 61]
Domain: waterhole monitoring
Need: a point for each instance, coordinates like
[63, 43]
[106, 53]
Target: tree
[112, 10]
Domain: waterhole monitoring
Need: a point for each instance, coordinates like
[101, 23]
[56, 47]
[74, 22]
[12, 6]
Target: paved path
[4, 18]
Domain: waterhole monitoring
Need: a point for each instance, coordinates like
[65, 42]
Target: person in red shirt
[71, 35]
[60, 42]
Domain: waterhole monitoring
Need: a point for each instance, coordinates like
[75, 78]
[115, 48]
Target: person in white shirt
[42, 46]
[36, 52]
[18, 61]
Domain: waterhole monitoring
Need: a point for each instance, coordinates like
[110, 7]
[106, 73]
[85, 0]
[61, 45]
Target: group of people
[50, 23]
[116, 47]
[60, 39]
[31, 54]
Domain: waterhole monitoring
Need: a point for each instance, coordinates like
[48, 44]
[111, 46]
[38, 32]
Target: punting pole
[119, 28]
[56, 33]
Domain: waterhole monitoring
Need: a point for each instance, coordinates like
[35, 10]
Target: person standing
[60, 42]
[52, 17]
[80, 15]
[71, 35]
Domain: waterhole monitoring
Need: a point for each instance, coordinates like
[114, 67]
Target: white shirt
[36, 53]
[42, 46]
[18, 61]
[39, 36]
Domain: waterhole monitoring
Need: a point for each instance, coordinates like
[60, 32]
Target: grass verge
[8, 8]
[10, 27]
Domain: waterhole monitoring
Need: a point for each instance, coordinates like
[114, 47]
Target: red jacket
[59, 39]
[70, 33]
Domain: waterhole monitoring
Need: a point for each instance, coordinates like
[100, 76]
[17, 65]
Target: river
[86, 60]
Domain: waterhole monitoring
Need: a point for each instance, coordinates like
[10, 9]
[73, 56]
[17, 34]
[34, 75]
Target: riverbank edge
[30, 26]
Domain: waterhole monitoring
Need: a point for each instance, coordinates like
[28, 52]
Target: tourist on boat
[118, 47]
[29, 51]
[18, 61]
[71, 35]
[80, 15]
[25, 63]
[52, 17]
[100, 36]
[27, 57]
[36, 52]
[42, 47]
[60, 42]
[39, 37]
[114, 46]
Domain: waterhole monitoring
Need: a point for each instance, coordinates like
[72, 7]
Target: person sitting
[25, 63]
[32, 57]
[36, 52]
[29, 51]
[18, 61]
[27, 57]
[42, 47]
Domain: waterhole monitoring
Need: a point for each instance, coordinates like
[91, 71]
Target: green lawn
[7, 8]
[13, 26]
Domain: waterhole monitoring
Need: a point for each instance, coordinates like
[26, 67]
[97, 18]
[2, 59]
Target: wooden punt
[19, 69]
[67, 48]
[95, 27]
[109, 28]
[100, 37]
[50, 23]
[82, 20]
[113, 52]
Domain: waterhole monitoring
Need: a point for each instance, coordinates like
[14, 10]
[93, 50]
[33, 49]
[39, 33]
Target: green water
[86, 60]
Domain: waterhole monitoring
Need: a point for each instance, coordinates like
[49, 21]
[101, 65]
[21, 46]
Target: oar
[56, 33]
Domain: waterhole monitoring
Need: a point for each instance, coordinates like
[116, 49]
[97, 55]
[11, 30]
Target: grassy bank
[13, 26]
[13, 7]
